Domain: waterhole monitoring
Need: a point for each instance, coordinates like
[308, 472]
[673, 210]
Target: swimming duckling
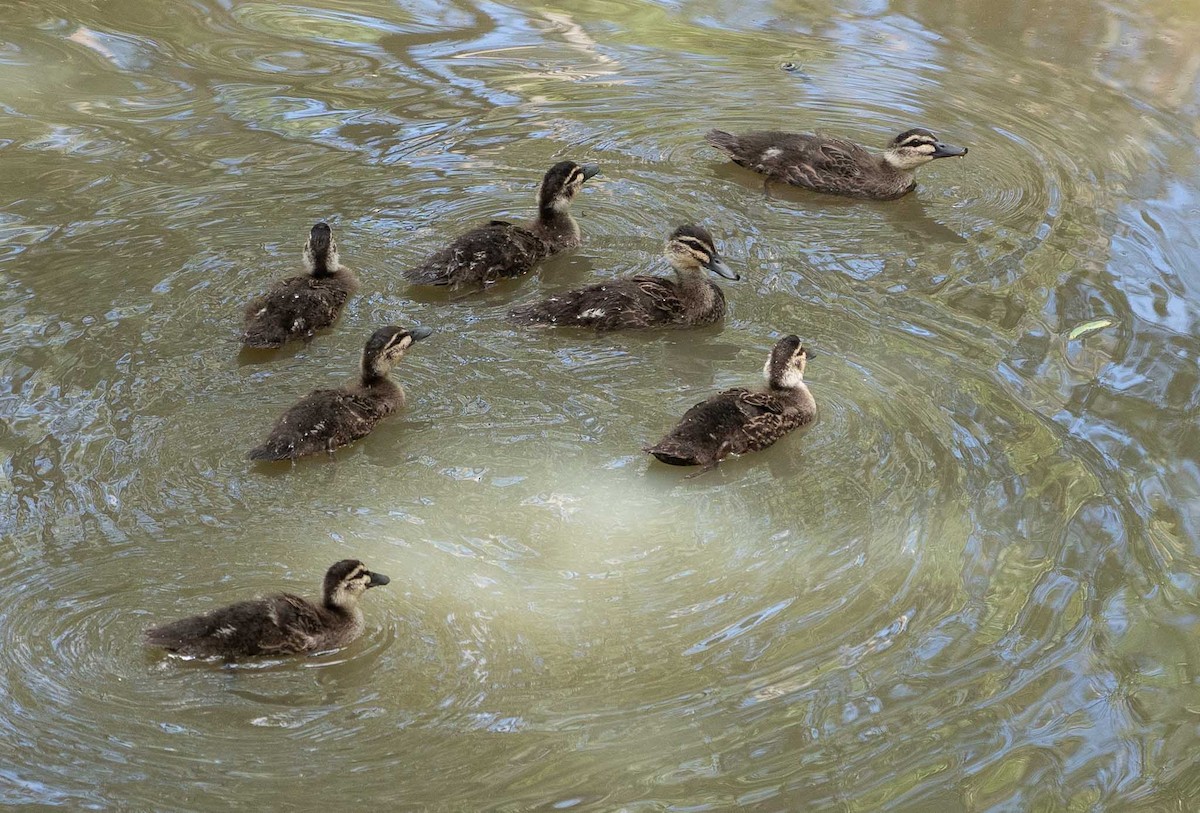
[324, 420]
[297, 307]
[644, 301]
[502, 249]
[828, 164]
[741, 420]
[283, 624]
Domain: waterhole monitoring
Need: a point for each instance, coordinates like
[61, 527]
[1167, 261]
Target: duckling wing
[816, 160]
[482, 256]
[797, 158]
[624, 304]
[320, 422]
[290, 625]
[295, 308]
[709, 430]
[276, 625]
[766, 419]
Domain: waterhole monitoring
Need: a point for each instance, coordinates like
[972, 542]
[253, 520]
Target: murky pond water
[972, 585]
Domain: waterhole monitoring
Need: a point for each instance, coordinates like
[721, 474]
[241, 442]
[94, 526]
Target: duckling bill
[502, 249]
[834, 165]
[327, 419]
[297, 307]
[282, 624]
[740, 420]
[639, 302]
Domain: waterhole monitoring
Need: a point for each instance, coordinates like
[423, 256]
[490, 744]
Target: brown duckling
[741, 420]
[324, 419]
[297, 307]
[828, 164]
[502, 249]
[644, 301]
[283, 624]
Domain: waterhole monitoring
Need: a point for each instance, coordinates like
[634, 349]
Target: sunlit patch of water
[971, 583]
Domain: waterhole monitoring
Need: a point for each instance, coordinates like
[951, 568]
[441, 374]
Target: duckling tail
[428, 274]
[265, 337]
[722, 140]
[174, 635]
[671, 454]
[271, 451]
[533, 314]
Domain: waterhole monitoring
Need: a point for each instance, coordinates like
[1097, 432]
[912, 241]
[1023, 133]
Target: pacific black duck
[826, 163]
[297, 307]
[329, 418]
[740, 420]
[503, 249]
[282, 624]
[644, 301]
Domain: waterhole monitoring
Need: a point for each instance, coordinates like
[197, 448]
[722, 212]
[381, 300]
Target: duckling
[282, 624]
[297, 307]
[503, 249]
[644, 301]
[741, 420]
[325, 420]
[828, 164]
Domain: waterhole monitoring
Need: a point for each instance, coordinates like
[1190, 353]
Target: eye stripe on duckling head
[695, 240]
[341, 572]
[914, 138]
[560, 176]
[383, 339]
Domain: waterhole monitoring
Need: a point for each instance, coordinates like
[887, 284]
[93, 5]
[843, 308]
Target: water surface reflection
[971, 585]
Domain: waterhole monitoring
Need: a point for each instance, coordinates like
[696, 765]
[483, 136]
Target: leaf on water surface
[1088, 328]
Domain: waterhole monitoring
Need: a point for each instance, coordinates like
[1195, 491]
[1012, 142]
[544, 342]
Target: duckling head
[917, 147]
[387, 346]
[320, 251]
[691, 247]
[785, 368]
[346, 581]
[562, 183]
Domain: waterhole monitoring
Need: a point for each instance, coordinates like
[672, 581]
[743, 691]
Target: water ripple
[971, 582]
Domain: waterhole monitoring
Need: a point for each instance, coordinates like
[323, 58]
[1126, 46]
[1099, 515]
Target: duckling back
[482, 256]
[328, 419]
[325, 419]
[741, 420]
[626, 304]
[296, 308]
[502, 249]
[276, 625]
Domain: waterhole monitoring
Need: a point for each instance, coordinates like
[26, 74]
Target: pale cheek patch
[792, 378]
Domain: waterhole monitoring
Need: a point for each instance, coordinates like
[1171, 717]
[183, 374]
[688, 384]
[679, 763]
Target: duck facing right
[501, 249]
[825, 163]
[327, 419]
[688, 300]
[282, 624]
[741, 420]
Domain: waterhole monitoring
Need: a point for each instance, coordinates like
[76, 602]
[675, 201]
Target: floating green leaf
[1088, 328]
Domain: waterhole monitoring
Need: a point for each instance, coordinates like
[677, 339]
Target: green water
[972, 585]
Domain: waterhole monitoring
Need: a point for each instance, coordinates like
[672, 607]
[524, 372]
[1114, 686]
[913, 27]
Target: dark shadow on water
[907, 214]
[248, 356]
